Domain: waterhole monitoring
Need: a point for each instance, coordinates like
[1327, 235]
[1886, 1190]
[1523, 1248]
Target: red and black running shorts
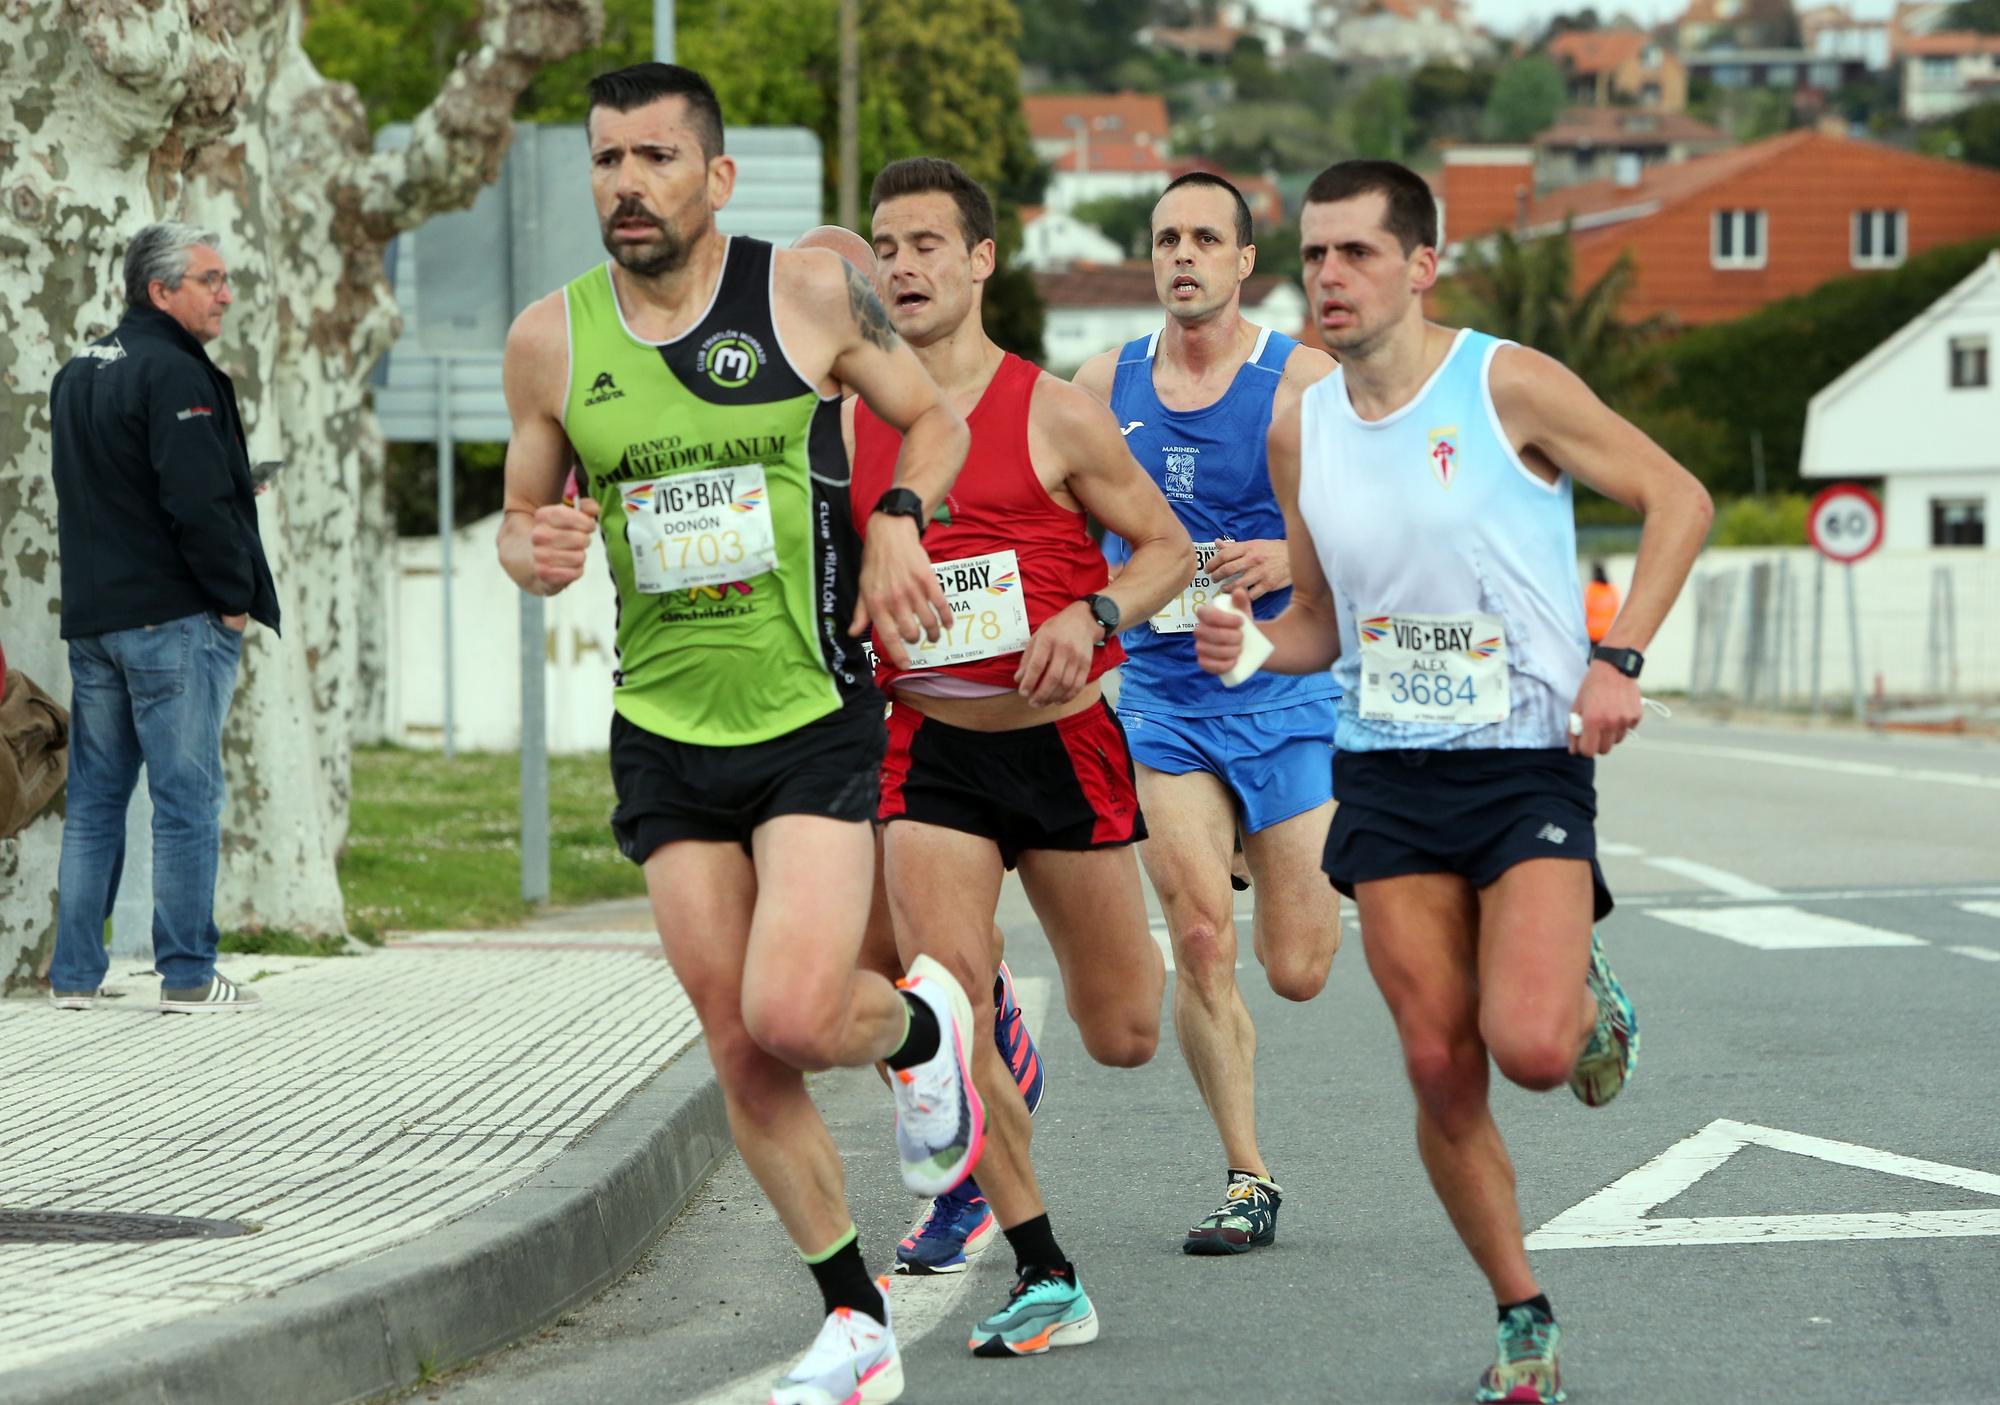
[1062, 785]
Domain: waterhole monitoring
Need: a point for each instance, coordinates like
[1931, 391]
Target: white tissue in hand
[1256, 648]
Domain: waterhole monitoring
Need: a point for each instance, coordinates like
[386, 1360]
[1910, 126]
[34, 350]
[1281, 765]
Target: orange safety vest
[1600, 608]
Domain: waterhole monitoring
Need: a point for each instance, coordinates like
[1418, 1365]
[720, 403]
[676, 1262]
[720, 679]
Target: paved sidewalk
[373, 1102]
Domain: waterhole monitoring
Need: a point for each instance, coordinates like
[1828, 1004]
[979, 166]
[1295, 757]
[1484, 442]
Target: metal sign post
[1844, 524]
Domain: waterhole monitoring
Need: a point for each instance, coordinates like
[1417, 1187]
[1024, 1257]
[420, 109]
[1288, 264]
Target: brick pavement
[372, 1100]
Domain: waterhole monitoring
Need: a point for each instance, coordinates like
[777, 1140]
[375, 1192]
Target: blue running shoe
[957, 1225]
[1017, 1047]
[1528, 1368]
[1046, 1308]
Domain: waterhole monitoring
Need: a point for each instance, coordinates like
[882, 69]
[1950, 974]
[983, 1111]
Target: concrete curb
[479, 1283]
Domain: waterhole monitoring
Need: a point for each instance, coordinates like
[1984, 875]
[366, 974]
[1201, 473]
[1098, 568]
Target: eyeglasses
[214, 280]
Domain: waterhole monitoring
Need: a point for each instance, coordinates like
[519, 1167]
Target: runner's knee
[1535, 1060]
[1446, 1073]
[800, 1033]
[1122, 1039]
[750, 1074]
[1205, 955]
[1295, 970]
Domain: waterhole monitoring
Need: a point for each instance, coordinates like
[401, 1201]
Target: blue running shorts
[1277, 763]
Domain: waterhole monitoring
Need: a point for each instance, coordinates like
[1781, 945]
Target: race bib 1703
[989, 611]
[1177, 615]
[1433, 668]
[695, 529]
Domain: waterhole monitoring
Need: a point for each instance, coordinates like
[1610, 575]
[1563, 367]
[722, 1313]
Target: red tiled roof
[1596, 50]
[1608, 126]
[1952, 44]
[1128, 115]
[1113, 156]
[1123, 285]
[1198, 39]
[1662, 185]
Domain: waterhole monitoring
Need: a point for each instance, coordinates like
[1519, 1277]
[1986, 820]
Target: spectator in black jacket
[162, 569]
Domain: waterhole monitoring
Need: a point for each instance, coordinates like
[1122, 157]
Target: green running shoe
[1529, 1368]
[1608, 1059]
[1047, 1308]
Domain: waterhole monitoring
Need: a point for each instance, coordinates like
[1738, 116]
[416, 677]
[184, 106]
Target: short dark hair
[922, 175]
[1412, 215]
[1210, 178]
[624, 89]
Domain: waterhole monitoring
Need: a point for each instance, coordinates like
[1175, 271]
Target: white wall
[1893, 596]
[1068, 189]
[1906, 506]
[1057, 240]
[1072, 335]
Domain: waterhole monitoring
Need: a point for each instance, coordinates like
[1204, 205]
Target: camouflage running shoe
[1608, 1059]
[1529, 1368]
[1247, 1219]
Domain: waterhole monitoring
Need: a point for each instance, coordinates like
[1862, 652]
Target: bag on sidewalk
[34, 752]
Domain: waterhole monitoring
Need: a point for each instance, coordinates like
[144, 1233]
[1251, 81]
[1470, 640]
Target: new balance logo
[1136, 424]
[1551, 833]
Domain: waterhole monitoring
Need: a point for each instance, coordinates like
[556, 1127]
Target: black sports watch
[1626, 661]
[903, 502]
[1104, 610]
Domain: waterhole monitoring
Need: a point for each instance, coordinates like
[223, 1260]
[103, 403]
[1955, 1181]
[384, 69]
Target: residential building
[1940, 487]
[1593, 143]
[1736, 24]
[1212, 44]
[1052, 240]
[1832, 32]
[1260, 193]
[1063, 122]
[1913, 18]
[1722, 235]
[1397, 33]
[1808, 77]
[1947, 72]
[1105, 170]
[1605, 66]
[1089, 310]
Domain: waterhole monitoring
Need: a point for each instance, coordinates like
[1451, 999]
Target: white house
[1052, 240]
[1097, 309]
[1399, 33]
[1948, 72]
[1921, 412]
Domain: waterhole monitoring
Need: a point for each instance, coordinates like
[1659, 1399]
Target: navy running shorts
[1473, 813]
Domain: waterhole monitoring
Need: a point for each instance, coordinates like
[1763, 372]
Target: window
[1968, 363]
[1958, 521]
[1878, 239]
[1738, 239]
[1940, 70]
[1782, 75]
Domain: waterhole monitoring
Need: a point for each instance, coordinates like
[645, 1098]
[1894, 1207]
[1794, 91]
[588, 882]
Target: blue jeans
[156, 695]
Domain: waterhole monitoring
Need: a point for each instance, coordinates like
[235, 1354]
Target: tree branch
[458, 143]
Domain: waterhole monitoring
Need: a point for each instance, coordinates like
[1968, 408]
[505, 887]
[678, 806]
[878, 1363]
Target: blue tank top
[1210, 464]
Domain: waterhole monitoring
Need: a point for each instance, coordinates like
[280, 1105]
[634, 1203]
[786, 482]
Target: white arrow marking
[1620, 1214]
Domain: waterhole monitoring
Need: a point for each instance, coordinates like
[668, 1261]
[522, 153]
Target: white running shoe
[940, 1121]
[853, 1361]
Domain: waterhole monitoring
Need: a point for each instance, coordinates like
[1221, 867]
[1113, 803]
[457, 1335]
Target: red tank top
[997, 504]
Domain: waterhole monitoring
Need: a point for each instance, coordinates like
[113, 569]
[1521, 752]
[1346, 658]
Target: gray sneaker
[218, 995]
[72, 999]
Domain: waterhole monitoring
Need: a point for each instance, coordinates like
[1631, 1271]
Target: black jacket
[155, 514]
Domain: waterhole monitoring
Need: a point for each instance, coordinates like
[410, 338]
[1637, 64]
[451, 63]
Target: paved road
[1812, 1066]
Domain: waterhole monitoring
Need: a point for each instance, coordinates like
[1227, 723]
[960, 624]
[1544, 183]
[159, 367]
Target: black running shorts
[1062, 785]
[669, 790]
[1473, 813]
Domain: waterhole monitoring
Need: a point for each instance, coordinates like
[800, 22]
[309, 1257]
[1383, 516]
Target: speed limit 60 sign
[1845, 522]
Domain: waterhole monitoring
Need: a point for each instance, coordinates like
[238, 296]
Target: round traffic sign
[1845, 522]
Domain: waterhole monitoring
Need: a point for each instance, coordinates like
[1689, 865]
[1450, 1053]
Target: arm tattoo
[869, 314]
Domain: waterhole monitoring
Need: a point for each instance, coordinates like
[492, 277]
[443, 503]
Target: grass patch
[437, 844]
[278, 941]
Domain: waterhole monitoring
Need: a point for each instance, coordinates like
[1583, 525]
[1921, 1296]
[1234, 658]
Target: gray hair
[160, 252]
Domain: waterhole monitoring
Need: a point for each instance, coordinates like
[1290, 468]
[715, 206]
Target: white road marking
[1872, 769]
[918, 1306]
[1607, 850]
[1977, 953]
[1720, 879]
[1982, 909]
[1840, 895]
[1620, 1214]
[1781, 928]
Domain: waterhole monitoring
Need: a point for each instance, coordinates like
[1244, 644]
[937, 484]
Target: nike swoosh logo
[1136, 424]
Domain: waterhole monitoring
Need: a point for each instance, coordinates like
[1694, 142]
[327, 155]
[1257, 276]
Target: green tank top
[722, 483]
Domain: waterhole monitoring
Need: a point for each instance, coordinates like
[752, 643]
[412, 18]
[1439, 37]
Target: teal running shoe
[1607, 1061]
[1529, 1368]
[1247, 1219]
[1047, 1308]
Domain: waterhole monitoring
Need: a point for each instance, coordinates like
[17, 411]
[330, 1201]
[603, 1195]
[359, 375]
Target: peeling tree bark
[114, 113]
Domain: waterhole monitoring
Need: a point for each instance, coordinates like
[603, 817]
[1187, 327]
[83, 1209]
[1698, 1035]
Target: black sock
[1035, 1245]
[921, 1039]
[844, 1282]
[1540, 1303]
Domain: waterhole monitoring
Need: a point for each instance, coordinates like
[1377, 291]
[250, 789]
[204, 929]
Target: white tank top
[1450, 561]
